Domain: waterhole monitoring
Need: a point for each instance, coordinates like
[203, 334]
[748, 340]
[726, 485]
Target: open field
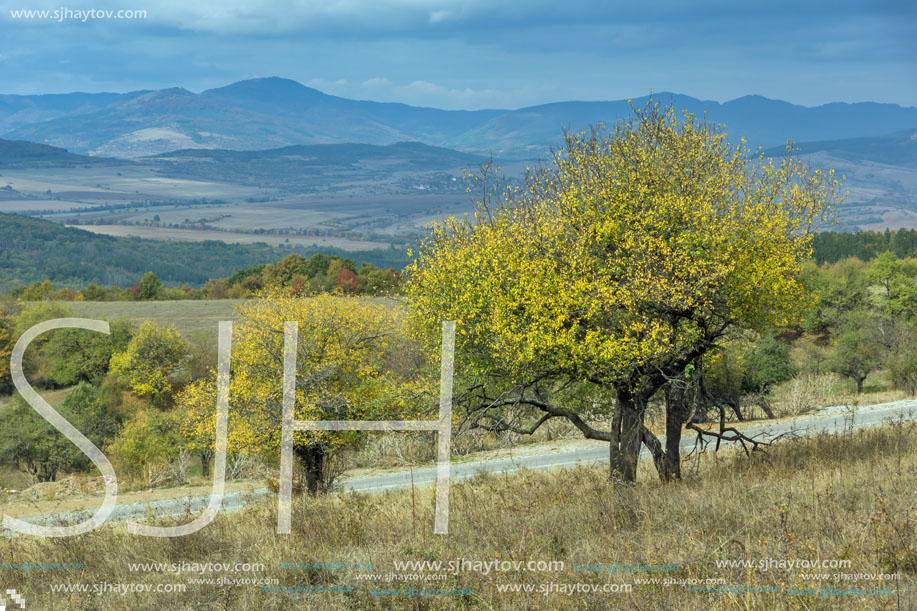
[41, 205]
[148, 199]
[879, 195]
[845, 498]
[130, 181]
[395, 216]
[188, 316]
[192, 235]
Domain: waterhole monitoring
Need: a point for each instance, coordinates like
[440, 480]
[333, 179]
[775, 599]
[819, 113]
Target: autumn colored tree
[348, 349]
[610, 272]
[347, 282]
[147, 364]
[7, 341]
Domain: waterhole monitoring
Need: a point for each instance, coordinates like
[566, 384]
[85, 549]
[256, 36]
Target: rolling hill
[18, 110]
[19, 153]
[899, 148]
[35, 250]
[274, 112]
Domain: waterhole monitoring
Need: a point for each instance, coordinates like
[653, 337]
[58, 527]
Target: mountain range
[275, 112]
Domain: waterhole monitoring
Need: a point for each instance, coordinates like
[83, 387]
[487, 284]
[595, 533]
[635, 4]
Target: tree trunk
[205, 463]
[313, 461]
[614, 445]
[860, 381]
[625, 454]
[675, 416]
[767, 408]
[668, 461]
[736, 409]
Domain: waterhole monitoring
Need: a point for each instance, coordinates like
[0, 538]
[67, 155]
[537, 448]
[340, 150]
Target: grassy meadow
[847, 497]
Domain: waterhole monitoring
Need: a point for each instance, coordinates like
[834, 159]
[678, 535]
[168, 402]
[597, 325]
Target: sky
[470, 54]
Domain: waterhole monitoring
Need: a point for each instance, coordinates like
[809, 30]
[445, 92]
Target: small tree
[348, 282]
[856, 352]
[343, 372]
[41, 450]
[76, 355]
[148, 440]
[147, 364]
[149, 288]
[902, 363]
[768, 363]
[97, 409]
[903, 371]
[841, 289]
[35, 313]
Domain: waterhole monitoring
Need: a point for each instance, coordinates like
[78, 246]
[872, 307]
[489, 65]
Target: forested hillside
[33, 250]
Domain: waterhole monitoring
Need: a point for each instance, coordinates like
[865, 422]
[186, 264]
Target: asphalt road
[831, 419]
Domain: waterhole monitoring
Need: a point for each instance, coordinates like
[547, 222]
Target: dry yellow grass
[844, 497]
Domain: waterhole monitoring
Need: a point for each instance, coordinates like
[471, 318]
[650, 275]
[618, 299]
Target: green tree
[903, 371]
[77, 355]
[37, 312]
[896, 280]
[97, 410]
[94, 292]
[857, 351]
[30, 441]
[840, 289]
[149, 438]
[767, 363]
[149, 288]
[36, 358]
[902, 363]
[628, 259]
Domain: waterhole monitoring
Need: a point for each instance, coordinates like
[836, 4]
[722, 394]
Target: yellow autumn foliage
[638, 244]
[349, 367]
[151, 357]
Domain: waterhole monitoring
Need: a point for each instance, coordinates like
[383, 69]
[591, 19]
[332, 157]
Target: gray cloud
[472, 53]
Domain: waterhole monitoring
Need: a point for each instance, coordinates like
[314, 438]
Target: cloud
[377, 83]
[477, 53]
[440, 16]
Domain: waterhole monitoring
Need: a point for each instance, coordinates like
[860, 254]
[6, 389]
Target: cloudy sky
[475, 53]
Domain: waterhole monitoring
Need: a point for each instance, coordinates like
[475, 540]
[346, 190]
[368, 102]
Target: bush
[77, 355]
[29, 441]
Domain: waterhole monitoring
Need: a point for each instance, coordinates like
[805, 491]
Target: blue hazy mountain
[898, 148]
[274, 112]
[19, 110]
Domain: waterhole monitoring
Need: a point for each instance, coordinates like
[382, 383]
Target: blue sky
[474, 53]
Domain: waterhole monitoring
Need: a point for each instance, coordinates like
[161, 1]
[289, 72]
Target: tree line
[318, 273]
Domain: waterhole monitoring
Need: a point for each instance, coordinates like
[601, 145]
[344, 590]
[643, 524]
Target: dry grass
[188, 315]
[850, 496]
[195, 235]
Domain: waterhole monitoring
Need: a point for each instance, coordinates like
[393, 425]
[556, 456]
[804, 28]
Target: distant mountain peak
[266, 86]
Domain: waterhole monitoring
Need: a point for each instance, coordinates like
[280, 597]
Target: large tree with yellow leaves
[354, 362]
[614, 270]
